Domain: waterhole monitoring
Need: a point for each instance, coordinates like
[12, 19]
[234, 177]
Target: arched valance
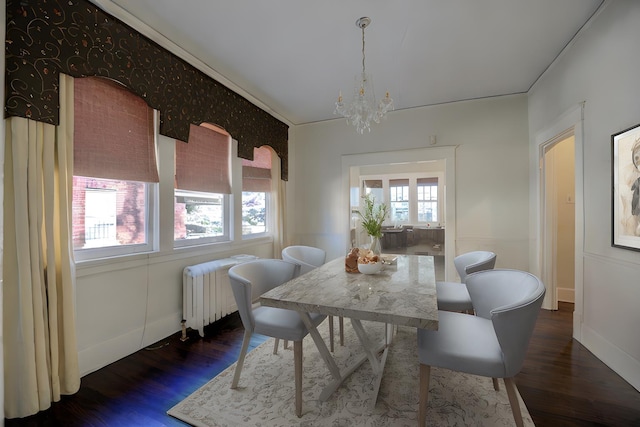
[76, 38]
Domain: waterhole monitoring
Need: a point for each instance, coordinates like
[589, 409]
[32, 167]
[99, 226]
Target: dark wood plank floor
[562, 383]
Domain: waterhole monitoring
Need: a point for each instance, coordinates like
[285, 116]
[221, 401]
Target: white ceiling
[294, 55]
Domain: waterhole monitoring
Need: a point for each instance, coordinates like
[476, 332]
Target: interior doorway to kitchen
[406, 165]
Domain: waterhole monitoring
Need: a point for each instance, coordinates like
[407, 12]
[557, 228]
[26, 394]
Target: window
[115, 171]
[256, 188]
[412, 197]
[100, 214]
[202, 186]
[374, 187]
[199, 215]
[428, 199]
[399, 200]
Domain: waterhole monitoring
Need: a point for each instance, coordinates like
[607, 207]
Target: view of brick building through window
[108, 212]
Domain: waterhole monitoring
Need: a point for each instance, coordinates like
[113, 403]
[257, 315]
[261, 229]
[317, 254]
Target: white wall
[491, 173]
[601, 68]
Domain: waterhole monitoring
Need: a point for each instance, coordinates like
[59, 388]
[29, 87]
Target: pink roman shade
[113, 132]
[203, 163]
[256, 173]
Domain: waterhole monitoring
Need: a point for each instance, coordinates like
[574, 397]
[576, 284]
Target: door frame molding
[571, 121]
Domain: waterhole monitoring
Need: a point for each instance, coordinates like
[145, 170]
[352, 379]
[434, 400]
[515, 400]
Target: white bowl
[370, 268]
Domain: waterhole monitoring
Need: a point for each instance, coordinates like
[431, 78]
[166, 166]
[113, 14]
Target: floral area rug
[265, 396]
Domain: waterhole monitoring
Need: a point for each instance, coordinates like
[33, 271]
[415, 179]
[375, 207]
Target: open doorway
[414, 193]
[351, 172]
[568, 124]
[558, 267]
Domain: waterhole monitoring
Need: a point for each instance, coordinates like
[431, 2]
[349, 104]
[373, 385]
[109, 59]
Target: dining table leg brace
[371, 352]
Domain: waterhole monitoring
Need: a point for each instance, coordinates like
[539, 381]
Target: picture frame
[625, 196]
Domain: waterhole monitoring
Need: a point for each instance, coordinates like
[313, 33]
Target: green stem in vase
[373, 215]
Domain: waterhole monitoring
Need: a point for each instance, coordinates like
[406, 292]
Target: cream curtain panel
[278, 193]
[40, 348]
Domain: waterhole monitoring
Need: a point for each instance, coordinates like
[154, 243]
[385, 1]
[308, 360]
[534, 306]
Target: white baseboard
[162, 328]
[102, 354]
[566, 295]
[615, 358]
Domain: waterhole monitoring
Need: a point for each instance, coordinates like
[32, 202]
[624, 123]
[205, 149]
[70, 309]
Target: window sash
[86, 254]
[399, 190]
[253, 234]
[223, 237]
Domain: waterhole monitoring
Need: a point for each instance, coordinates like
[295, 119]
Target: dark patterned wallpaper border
[48, 37]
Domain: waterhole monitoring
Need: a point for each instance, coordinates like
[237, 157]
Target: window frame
[93, 254]
[269, 206]
[152, 219]
[392, 207]
[430, 201]
[269, 214]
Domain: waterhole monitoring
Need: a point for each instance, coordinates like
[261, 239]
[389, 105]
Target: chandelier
[363, 109]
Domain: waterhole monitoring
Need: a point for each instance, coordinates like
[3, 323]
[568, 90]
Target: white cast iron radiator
[206, 292]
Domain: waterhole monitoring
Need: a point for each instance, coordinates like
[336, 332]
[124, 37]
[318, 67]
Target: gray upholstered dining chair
[251, 279]
[308, 258]
[453, 296]
[493, 343]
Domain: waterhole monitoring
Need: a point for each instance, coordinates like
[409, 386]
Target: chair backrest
[471, 262]
[307, 257]
[251, 279]
[512, 300]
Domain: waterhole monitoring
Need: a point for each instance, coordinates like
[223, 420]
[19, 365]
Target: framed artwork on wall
[625, 176]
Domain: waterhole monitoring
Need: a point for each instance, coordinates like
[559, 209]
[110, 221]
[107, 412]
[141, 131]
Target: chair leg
[331, 333]
[512, 392]
[275, 346]
[425, 373]
[297, 359]
[496, 384]
[240, 363]
[285, 345]
[341, 326]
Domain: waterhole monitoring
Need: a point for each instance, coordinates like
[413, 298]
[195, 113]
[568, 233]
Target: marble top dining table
[401, 294]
